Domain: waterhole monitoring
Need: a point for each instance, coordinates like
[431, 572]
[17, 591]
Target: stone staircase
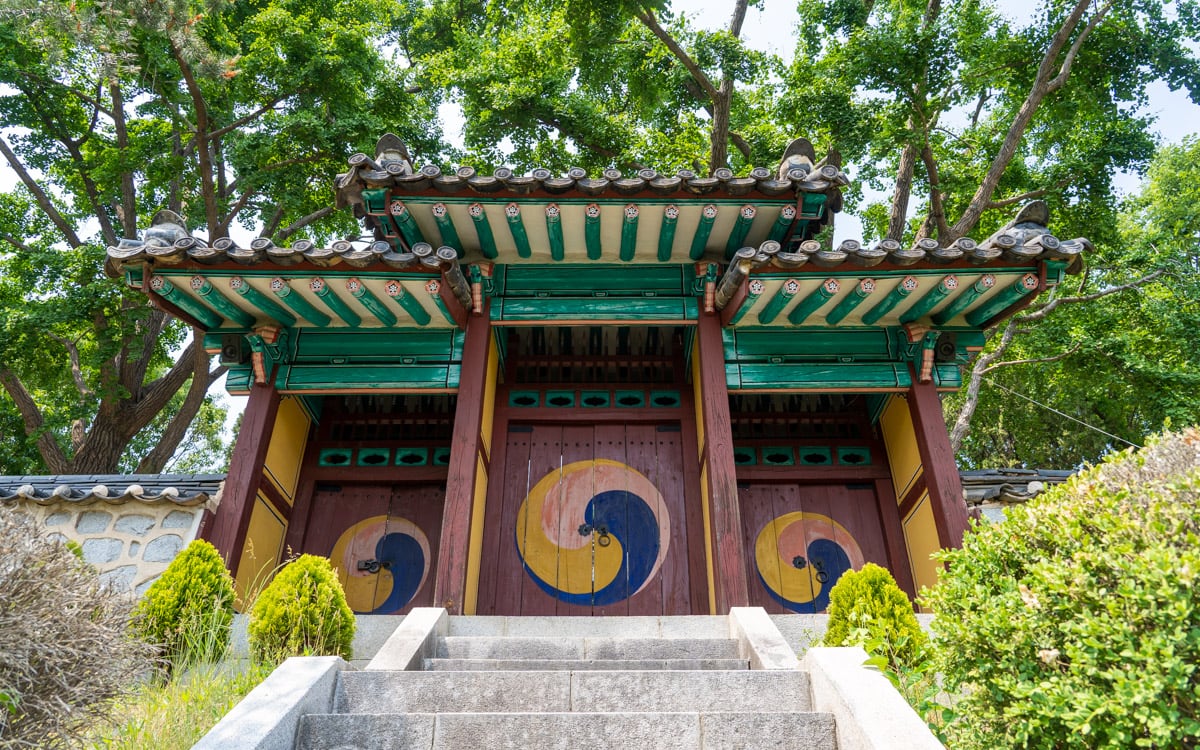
[442, 683]
[574, 683]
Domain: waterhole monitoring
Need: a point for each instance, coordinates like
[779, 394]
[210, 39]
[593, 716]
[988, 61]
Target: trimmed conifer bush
[867, 608]
[188, 611]
[302, 612]
[1075, 623]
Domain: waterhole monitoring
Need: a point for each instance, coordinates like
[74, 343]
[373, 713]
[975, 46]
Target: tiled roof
[113, 489]
[1009, 485]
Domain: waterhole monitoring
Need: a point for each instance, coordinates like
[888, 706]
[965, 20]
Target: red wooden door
[591, 521]
[801, 538]
[381, 539]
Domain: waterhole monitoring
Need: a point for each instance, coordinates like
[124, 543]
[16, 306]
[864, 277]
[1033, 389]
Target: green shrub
[867, 608]
[187, 612]
[1075, 623]
[302, 612]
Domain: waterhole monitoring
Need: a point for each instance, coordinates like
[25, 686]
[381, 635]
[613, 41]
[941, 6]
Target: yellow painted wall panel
[286, 450]
[921, 538]
[264, 547]
[489, 395]
[475, 548]
[708, 545]
[900, 439]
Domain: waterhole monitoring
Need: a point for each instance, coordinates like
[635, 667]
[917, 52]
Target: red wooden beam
[735, 304]
[228, 529]
[465, 445]
[453, 306]
[725, 513]
[940, 469]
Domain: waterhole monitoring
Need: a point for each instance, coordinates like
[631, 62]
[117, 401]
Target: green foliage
[1074, 623]
[866, 606]
[302, 612]
[188, 611]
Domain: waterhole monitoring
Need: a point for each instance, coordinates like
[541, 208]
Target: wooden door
[382, 540]
[591, 521]
[800, 539]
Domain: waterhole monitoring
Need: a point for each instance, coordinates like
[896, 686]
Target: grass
[175, 714]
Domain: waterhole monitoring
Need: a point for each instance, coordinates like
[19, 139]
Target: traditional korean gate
[382, 539]
[801, 538]
[591, 521]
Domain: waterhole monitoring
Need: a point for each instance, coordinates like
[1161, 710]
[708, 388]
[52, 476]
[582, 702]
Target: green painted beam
[754, 290]
[567, 280]
[405, 223]
[238, 380]
[775, 305]
[445, 223]
[1023, 286]
[859, 294]
[554, 231]
[932, 299]
[965, 299]
[741, 227]
[666, 232]
[591, 231]
[814, 301]
[365, 346]
[366, 377]
[167, 291]
[809, 344]
[813, 376]
[516, 226]
[708, 215]
[335, 303]
[411, 307]
[219, 302]
[359, 291]
[302, 307]
[595, 308]
[906, 287]
[779, 230]
[483, 229]
[269, 306]
[629, 224]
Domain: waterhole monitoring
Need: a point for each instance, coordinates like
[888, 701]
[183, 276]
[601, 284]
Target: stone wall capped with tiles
[129, 527]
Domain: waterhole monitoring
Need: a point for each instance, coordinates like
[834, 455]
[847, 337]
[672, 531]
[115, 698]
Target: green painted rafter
[411, 307]
[708, 215]
[859, 294]
[591, 231]
[966, 299]
[273, 309]
[554, 232]
[779, 230]
[666, 232]
[814, 301]
[335, 303]
[483, 229]
[516, 226]
[167, 291]
[219, 302]
[446, 226]
[302, 307]
[1023, 286]
[359, 291]
[741, 227]
[932, 299]
[629, 224]
[754, 290]
[901, 291]
[775, 305]
[405, 223]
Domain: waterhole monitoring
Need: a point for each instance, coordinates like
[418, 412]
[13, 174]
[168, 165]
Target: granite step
[573, 665]
[382, 692]
[518, 647]
[717, 730]
[680, 626]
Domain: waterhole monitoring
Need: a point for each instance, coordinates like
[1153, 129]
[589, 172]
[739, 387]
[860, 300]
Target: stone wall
[129, 527]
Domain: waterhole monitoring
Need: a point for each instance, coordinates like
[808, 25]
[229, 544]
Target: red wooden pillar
[466, 447]
[729, 561]
[940, 470]
[227, 532]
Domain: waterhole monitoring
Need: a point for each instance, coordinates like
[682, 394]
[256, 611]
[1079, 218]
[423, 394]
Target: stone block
[134, 548]
[57, 518]
[414, 638]
[690, 691]
[567, 731]
[359, 732]
[100, 551]
[145, 585]
[93, 522]
[120, 579]
[457, 647]
[570, 665]
[134, 523]
[378, 692]
[759, 640]
[163, 549]
[767, 731]
[689, 626]
[179, 519]
[661, 648]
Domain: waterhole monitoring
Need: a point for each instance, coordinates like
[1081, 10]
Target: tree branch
[1030, 195]
[937, 209]
[39, 195]
[35, 423]
[76, 368]
[176, 429]
[898, 219]
[1049, 307]
[648, 20]
[1035, 360]
[1064, 70]
[249, 117]
[304, 221]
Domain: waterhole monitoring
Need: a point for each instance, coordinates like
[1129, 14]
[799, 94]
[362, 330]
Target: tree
[1126, 366]
[224, 112]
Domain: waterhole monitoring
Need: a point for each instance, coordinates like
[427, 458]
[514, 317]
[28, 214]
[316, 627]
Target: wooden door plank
[612, 589]
[545, 460]
[641, 455]
[495, 532]
[422, 505]
[576, 552]
[333, 534]
[514, 476]
[677, 598]
[758, 515]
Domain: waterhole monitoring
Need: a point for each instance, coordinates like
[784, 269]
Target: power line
[1061, 414]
